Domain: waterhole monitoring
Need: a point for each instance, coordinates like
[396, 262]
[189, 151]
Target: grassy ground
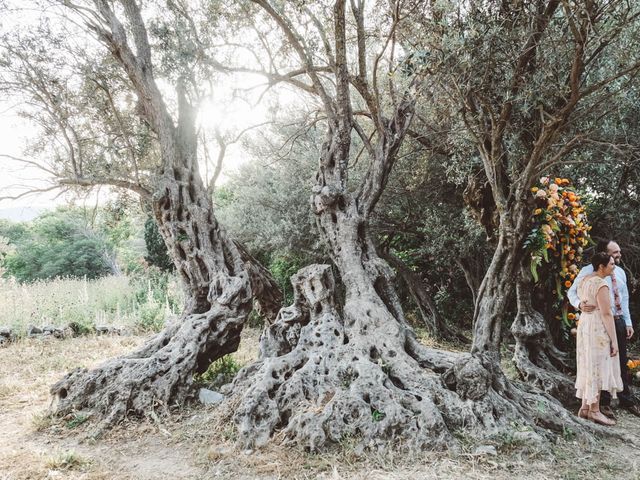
[192, 444]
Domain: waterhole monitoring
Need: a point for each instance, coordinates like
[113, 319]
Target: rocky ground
[193, 445]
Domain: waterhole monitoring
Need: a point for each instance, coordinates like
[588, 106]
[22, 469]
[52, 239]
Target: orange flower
[633, 364]
[537, 211]
[534, 189]
[557, 181]
[571, 316]
[567, 283]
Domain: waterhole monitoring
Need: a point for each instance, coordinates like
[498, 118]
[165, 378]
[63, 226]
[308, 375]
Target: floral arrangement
[634, 368]
[560, 232]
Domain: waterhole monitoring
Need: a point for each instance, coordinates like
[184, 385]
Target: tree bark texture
[496, 293]
[361, 375]
[220, 278]
[537, 360]
[327, 375]
[218, 300]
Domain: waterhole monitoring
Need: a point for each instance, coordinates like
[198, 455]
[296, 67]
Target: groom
[624, 328]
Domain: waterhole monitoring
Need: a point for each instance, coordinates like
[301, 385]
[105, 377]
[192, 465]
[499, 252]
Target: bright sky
[221, 111]
[16, 177]
[217, 112]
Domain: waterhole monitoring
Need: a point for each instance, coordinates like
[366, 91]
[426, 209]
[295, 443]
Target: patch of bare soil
[197, 442]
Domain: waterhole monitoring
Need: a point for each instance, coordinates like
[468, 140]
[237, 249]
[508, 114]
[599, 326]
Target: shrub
[220, 372]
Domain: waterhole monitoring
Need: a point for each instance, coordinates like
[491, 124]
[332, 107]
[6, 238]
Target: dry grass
[187, 445]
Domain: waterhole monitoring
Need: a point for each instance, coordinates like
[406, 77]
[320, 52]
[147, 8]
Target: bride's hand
[614, 351]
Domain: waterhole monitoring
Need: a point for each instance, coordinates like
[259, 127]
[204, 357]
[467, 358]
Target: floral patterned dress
[596, 369]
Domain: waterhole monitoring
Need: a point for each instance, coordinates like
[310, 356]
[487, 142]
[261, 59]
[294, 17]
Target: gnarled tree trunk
[218, 299]
[327, 375]
[219, 277]
[361, 375]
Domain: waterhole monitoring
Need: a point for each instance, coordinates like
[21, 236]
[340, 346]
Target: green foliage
[120, 222]
[423, 221]
[377, 415]
[156, 294]
[140, 302]
[267, 207]
[220, 372]
[80, 329]
[58, 244]
[282, 267]
[151, 317]
[76, 420]
[14, 232]
[157, 254]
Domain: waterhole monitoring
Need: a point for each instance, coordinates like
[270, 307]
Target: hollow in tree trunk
[359, 373]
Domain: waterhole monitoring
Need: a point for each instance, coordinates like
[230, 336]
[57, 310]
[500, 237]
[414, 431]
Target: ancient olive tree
[533, 82]
[352, 368]
[108, 123]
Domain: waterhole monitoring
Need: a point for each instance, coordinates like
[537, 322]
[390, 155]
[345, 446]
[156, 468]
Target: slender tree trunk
[538, 362]
[495, 294]
[472, 274]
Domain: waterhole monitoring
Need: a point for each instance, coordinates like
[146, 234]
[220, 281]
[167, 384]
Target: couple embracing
[600, 293]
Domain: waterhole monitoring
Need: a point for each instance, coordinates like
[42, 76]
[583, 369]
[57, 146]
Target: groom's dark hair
[603, 245]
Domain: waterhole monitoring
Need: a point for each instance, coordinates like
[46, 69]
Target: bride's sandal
[600, 418]
[583, 412]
